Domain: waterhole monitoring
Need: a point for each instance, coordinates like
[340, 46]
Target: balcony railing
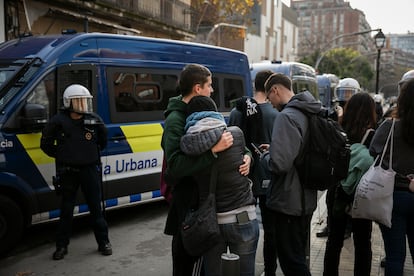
[168, 12]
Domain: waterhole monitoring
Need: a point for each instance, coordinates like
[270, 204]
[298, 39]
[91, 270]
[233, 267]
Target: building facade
[156, 18]
[327, 24]
[273, 34]
[404, 42]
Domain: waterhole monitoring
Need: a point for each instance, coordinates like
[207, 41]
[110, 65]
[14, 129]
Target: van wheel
[11, 224]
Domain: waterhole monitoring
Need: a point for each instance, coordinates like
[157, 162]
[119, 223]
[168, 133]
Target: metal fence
[173, 13]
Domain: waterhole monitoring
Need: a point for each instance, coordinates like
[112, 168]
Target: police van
[302, 75]
[131, 79]
[326, 87]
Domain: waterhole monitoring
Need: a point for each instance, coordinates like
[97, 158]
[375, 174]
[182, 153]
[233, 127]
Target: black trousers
[183, 263]
[291, 241]
[361, 229]
[269, 238]
[87, 178]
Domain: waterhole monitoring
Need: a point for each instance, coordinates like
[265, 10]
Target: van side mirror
[34, 117]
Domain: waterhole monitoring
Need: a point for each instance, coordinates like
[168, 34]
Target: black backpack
[325, 160]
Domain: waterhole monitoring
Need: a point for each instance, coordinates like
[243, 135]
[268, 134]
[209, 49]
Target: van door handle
[117, 138]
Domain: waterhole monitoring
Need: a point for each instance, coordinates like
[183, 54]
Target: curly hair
[359, 116]
[405, 110]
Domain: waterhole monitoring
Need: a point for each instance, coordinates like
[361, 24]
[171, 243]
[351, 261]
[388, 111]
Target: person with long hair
[403, 164]
[359, 121]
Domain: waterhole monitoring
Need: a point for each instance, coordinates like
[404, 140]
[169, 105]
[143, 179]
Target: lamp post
[379, 43]
[217, 27]
[328, 45]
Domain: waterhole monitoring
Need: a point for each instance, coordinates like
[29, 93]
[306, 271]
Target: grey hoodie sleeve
[286, 142]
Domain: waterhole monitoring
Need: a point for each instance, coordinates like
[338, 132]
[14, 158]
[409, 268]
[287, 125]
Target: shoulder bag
[200, 230]
[374, 194]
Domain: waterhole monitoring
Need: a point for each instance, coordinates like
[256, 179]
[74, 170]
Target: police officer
[74, 137]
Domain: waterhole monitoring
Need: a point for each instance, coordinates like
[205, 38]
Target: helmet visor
[81, 105]
[344, 94]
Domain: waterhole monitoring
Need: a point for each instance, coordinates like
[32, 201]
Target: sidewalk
[347, 254]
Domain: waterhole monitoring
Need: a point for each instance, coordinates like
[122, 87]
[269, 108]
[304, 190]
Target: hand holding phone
[256, 148]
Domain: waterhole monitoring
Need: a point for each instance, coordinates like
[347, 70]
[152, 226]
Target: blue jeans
[395, 237]
[242, 240]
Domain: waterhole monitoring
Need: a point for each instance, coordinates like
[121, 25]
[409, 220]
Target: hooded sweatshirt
[286, 194]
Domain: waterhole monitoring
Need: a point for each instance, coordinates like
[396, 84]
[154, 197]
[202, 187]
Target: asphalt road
[139, 247]
[136, 234]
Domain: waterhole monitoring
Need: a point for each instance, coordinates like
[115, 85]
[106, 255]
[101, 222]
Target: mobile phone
[257, 149]
[242, 217]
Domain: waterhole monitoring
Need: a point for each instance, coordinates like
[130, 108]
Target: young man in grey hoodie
[292, 204]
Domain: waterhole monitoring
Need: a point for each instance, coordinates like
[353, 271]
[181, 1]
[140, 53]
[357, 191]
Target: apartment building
[325, 24]
[156, 18]
[273, 34]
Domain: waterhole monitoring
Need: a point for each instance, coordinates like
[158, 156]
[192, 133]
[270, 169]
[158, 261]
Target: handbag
[200, 230]
[374, 194]
[165, 188]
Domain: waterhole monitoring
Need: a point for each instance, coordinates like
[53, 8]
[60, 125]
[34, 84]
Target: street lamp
[379, 43]
[328, 45]
[217, 27]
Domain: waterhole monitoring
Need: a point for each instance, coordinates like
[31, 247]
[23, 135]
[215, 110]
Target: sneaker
[347, 235]
[323, 233]
[382, 264]
[60, 253]
[105, 249]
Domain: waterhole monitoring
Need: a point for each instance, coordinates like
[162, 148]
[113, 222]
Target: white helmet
[378, 98]
[77, 99]
[408, 75]
[346, 88]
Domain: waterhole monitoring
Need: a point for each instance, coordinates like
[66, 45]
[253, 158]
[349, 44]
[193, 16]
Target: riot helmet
[77, 98]
[378, 98]
[346, 88]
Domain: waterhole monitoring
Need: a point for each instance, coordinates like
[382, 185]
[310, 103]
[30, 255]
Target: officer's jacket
[74, 142]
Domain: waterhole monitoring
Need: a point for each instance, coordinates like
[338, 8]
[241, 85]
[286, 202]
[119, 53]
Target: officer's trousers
[88, 178]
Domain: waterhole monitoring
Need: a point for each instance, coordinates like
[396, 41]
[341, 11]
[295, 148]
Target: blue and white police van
[131, 79]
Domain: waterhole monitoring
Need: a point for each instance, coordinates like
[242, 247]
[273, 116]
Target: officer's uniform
[76, 147]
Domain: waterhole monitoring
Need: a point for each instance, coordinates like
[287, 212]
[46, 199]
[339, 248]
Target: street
[136, 233]
[139, 245]
[141, 248]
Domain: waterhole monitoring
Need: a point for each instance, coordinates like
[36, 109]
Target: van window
[14, 75]
[300, 85]
[45, 94]
[233, 89]
[140, 95]
[136, 92]
[230, 86]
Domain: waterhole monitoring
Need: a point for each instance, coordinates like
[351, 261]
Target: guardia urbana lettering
[132, 165]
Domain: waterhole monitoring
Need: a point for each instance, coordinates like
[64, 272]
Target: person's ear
[197, 88]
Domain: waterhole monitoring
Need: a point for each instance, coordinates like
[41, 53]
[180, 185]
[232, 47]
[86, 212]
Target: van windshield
[14, 74]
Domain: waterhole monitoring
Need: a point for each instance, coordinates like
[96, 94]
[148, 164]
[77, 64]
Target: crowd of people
[256, 154]
[271, 127]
